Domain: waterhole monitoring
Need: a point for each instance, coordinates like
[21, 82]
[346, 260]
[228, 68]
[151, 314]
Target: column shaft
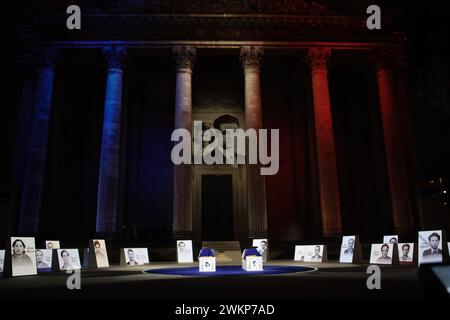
[182, 202]
[32, 191]
[395, 157]
[256, 183]
[108, 182]
[330, 206]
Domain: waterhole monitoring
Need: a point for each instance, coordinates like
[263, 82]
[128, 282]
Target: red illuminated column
[394, 148]
[182, 175]
[330, 206]
[256, 183]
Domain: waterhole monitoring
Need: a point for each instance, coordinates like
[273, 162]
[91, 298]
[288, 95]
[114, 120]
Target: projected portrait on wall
[228, 149]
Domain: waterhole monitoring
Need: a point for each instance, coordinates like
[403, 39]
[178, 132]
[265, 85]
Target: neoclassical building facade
[93, 143]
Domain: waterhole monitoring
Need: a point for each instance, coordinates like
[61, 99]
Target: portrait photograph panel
[184, 251]
[101, 254]
[44, 259]
[52, 244]
[406, 252]
[390, 239]
[262, 246]
[300, 252]
[23, 256]
[347, 249]
[2, 259]
[430, 247]
[69, 259]
[381, 253]
[314, 253]
[136, 256]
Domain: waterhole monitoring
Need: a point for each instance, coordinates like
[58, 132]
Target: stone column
[330, 206]
[108, 182]
[256, 187]
[32, 191]
[25, 119]
[182, 175]
[394, 149]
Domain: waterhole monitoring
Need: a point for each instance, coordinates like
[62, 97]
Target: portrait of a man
[350, 246]
[405, 254]
[317, 256]
[434, 240]
[131, 259]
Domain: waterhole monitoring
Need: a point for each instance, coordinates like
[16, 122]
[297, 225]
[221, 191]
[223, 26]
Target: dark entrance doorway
[217, 207]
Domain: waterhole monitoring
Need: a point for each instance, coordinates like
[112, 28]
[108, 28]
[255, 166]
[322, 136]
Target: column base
[257, 234]
[182, 235]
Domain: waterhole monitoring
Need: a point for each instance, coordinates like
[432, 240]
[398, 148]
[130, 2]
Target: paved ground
[329, 281]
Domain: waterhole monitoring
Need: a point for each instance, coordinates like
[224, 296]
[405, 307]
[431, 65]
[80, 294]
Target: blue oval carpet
[229, 271]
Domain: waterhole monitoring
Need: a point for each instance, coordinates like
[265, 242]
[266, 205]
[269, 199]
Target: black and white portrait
[23, 256]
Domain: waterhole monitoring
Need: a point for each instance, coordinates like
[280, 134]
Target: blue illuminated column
[25, 118]
[32, 190]
[108, 183]
[182, 175]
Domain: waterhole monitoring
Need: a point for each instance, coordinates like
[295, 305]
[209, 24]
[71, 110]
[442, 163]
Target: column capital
[251, 57]
[26, 63]
[384, 58]
[318, 57]
[184, 56]
[46, 58]
[115, 57]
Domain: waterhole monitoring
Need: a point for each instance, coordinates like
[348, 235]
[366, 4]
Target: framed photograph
[2, 260]
[348, 249]
[207, 264]
[299, 254]
[135, 256]
[99, 252]
[430, 247]
[311, 253]
[253, 263]
[68, 259]
[44, 259]
[406, 253]
[184, 251]
[23, 256]
[262, 246]
[390, 239]
[382, 253]
[52, 244]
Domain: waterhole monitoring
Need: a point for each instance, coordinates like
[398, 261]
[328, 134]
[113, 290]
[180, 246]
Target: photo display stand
[350, 250]
[311, 253]
[432, 247]
[407, 253]
[98, 255]
[23, 261]
[185, 253]
[133, 257]
[384, 254]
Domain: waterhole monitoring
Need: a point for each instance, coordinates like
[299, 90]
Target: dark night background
[73, 156]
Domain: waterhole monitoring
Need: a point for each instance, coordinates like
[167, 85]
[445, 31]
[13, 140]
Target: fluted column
[394, 149]
[256, 186]
[330, 206]
[32, 191]
[182, 202]
[25, 118]
[108, 182]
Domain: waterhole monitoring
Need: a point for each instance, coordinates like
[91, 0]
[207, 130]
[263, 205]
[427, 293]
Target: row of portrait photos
[24, 259]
